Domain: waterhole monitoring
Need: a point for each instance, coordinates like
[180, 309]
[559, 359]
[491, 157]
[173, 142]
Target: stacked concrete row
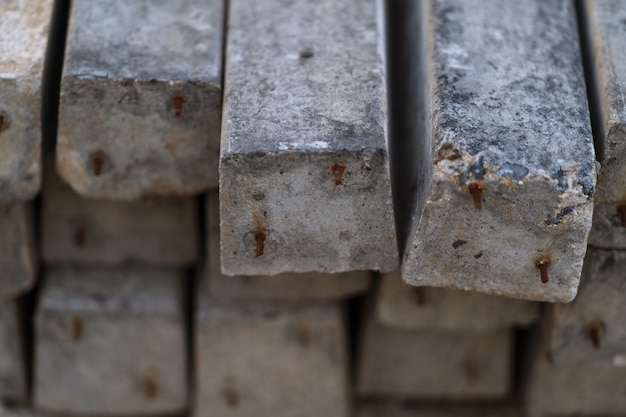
[24, 29]
[141, 312]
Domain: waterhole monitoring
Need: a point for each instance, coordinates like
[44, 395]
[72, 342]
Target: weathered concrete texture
[287, 286]
[605, 36]
[24, 29]
[12, 365]
[158, 230]
[511, 159]
[140, 103]
[304, 182]
[404, 364]
[572, 390]
[425, 308]
[591, 329]
[269, 360]
[412, 409]
[111, 341]
[18, 256]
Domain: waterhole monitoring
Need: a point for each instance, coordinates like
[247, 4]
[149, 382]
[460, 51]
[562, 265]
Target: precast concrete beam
[504, 200]
[140, 104]
[304, 167]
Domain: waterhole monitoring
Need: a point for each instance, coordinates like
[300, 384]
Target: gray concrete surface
[591, 329]
[156, 230]
[425, 308]
[141, 98]
[305, 286]
[17, 411]
[261, 360]
[402, 364]
[24, 29]
[571, 390]
[412, 409]
[18, 254]
[12, 360]
[606, 44]
[509, 164]
[111, 341]
[305, 183]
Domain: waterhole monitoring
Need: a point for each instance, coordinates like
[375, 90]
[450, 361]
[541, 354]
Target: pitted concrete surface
[24, 29]
[606, 31]
[512, 170]
[305, 183]
[140, 101]
[311, 286]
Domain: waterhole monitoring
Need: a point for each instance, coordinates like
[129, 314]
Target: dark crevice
[591, 79]
[52, 72]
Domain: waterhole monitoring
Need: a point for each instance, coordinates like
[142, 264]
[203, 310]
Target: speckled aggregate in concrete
[24, 28]
[18, 254]
[111, 341]
[141, 98]
[512, 169]
[304, 168]
[307, 286]
[426, 308]
[605, 23]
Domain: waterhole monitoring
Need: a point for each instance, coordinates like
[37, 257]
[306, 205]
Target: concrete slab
[287, 286]
[424, 308]
[18, 256]
[141, 98]
[270, 359]
[590, 329]
[157, 230]
[413, 409]
[404, 364]
[24, 27]
[506, 200]
[304, 167]
[12, 365]
[605, 36]
[572, 390]
[98, 325]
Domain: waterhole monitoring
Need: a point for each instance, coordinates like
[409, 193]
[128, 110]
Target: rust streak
[78, 327]
[97, 162]
[259, 235]
[476, 190]
[179, 101]
[420, 296]
[151, 384]
[80, 236]
[543, 264]
[338, 172]
[232, 397]
[621, 210]
[595, 334]
[304, 336]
